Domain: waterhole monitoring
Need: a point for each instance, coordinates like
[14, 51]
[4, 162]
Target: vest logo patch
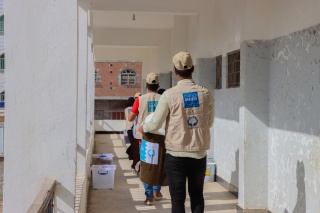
[193, 121]
[190, 99]
[149, 152]
[152, 106]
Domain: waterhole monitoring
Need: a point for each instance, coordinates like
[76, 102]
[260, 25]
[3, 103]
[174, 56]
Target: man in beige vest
[189, 111]
[142, 107]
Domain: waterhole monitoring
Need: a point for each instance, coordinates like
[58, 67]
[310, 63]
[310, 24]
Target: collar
[185, 81]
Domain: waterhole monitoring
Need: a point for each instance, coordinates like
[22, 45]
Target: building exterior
[259, 58]
[116, 81]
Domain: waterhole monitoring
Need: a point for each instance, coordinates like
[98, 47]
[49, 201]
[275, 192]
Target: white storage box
[103, 158]
[210, 172]
[103, 176]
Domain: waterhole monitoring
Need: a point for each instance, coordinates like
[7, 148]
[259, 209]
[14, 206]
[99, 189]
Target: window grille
[2, 62]
[128, 77]
[233, 77]
[1, 23]
[2, 96]
[218, 71]
[109, 115]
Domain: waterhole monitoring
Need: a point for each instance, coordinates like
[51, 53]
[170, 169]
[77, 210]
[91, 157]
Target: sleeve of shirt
[211, 108]
[159, 115]
[135, 107]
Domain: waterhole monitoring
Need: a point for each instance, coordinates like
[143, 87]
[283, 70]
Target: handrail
[107, 114]
[44, 198]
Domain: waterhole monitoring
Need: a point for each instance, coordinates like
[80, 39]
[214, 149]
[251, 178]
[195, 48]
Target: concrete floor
[128, 193]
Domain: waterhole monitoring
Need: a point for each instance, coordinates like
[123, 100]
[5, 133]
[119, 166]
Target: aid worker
[142, 107]
[189, 111]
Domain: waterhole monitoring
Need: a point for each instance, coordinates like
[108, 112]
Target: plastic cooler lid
[104, 167]
[105, 155]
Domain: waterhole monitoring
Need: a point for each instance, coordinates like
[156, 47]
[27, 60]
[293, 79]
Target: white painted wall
[1, 7]
[2, 80]
[1, 43]
[109, 125]
[227, 130]
[236, 21]
[289, 16]
[43, 92]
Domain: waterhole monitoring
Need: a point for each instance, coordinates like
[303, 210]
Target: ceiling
[124, 19]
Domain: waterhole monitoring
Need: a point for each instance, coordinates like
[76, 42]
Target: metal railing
[44, 202]
[109, 114]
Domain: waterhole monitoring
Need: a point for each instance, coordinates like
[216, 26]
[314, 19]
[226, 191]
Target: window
[97, 77]
[2, 62]
[1, 23]
[2, 99]
[233, 77]
[128, 77]
[218, 71]
[2, 96]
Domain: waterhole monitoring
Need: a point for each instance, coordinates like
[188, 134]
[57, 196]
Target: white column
[82, 86]
[41, 89]
[253, 156]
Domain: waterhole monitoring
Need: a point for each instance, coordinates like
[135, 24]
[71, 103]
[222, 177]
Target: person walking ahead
[142, 107]
[189, 110]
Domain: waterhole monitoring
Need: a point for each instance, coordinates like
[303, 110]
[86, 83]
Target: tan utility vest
[147, 105]
[187, 127]
[129, 124]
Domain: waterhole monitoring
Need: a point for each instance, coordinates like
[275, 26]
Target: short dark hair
[130, 101]
[185, 73]
[160, 91]
[153, 87]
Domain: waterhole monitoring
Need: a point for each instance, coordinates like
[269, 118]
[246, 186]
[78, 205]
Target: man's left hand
[141, 129]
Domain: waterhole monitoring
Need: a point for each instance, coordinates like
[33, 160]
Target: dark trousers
[180, 169]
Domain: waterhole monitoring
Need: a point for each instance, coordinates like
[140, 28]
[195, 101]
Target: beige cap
[152, 78]
[182, 61]
[137, 94]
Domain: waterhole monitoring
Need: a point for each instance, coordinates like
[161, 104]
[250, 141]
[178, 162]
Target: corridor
[128, 194]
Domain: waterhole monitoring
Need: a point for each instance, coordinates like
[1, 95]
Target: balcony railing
[44, 202]
[2, 63]
[109, 114]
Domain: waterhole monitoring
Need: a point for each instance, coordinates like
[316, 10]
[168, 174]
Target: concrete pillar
[82, 86]
[41, 89]
[253, 156]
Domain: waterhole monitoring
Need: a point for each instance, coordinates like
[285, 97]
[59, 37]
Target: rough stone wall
[294, 143]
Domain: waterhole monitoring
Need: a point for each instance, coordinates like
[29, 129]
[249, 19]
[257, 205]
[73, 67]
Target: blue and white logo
[152, 106]
[190, 99]
[193, 121]
[149, 152]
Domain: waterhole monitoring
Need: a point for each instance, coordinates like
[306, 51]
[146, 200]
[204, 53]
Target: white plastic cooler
[103, 176]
